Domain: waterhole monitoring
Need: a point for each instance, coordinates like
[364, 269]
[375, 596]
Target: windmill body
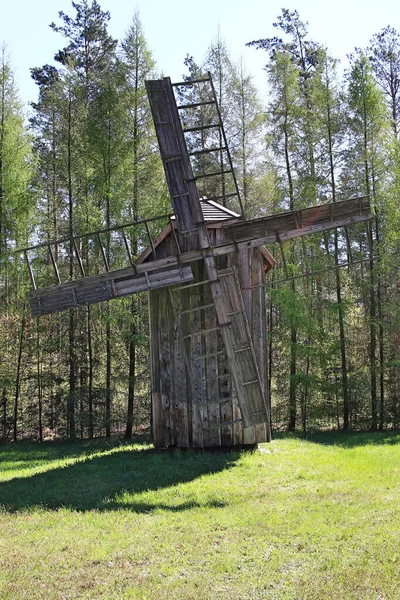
[194, 401]
[205, 273]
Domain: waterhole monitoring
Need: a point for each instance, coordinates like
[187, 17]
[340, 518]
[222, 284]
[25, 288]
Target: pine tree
[143, 173]
[384, 55]
[367, 125]
[247, 140]
[15, 222]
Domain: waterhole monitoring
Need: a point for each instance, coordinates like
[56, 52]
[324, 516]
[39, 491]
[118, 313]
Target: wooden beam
[95, 289]
[290, 225]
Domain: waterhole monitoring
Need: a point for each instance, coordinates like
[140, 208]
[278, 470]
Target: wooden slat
[259, 336]
[212, 435]
[195, 104]
[91, 290]
[295, 224]
[157, 422]
[235, 332]
[171, 142]
[197, 366]
[181, 393]
[166, 368]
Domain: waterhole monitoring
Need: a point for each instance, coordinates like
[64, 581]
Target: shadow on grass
[345, 439]
[113, 481]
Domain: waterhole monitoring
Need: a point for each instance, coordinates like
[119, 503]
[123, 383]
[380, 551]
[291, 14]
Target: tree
[142, 172]
[367, 124]
[293, 69]
[247, 139]
[15, 220]
[384, 55]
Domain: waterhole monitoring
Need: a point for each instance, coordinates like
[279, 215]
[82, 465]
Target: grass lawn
[296, 519]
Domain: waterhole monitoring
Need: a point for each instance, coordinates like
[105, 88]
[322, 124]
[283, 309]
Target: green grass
[313, 518]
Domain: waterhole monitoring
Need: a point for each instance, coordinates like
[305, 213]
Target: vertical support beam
[30, 271]
[103, 253]
[153, 250]
[128, 251]
[79, 259]
[56, 271]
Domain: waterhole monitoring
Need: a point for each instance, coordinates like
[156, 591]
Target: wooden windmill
[205, 273]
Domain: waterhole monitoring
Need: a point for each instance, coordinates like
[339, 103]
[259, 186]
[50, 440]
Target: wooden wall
[192, 391]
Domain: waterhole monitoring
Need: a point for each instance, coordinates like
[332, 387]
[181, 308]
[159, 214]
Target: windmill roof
[214, 212]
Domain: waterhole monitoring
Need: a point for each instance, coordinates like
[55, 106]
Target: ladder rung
[198, 308]
[181, 195]
[195, 104]
[173, 158]
[241, 348]
[213, 125]
[213, 174]
[252, 382]
[235, 312]
[191, 82]
[207, 151]
[225, 273]
[202, 332]
[216, 198]
[163, 123]
[225, 376]
[190, 285]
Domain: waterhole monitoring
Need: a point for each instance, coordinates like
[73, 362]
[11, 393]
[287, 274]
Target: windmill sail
[224, 286]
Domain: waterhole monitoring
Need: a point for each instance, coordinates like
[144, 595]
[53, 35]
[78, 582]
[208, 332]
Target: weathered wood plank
[166, 372]
[93, 289]
[178, 171]
[259, 332]
[181, 394]
[197, 366]
[298, 223]
[212, 434]
[244, 269]
[159, 438]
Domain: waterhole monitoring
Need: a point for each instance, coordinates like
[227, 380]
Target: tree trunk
[132, 367]
[39, 385]
[71, 328]
[18, 379]
[90, 376]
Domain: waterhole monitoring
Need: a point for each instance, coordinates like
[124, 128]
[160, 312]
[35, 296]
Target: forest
[87, 158]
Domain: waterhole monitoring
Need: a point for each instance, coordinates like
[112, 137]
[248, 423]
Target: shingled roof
[212, 213]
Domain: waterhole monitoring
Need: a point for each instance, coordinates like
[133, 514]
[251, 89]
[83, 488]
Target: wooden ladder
[201, 119]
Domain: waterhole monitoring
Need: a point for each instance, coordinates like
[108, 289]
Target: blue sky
[174, 28]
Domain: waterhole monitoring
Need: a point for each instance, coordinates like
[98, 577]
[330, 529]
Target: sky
[174, 28]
